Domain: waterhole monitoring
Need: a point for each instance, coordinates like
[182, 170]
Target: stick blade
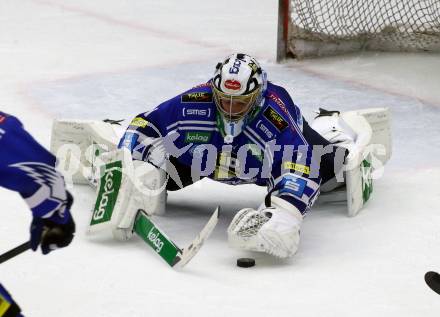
[433, 281]
[190, 251]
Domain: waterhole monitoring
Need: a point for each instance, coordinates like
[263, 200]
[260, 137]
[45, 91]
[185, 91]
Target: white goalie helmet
[238, 86]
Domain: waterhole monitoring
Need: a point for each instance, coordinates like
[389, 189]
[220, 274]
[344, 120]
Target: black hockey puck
[433, 281]
[245, 262]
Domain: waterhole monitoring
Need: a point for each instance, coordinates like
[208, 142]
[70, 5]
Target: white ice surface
[99, 59]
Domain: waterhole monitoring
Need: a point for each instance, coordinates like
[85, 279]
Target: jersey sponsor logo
[275, 118]
[196, 112]
[2, 118]
[196, 97]
[232, 84]
[265, 130]
[297, 167]
[283, 107]
[197, 137]
[208, 84]
[139, 122]
[293, 185]
[108, 193]
[277, 100]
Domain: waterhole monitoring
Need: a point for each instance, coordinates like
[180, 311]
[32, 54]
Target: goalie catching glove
[274, 230]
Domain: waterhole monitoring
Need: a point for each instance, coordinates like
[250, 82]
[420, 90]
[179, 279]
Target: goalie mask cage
[313, 28]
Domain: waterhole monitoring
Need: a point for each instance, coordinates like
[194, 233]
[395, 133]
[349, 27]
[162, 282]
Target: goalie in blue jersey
[239, 128]
[236, 128]
[29, 169]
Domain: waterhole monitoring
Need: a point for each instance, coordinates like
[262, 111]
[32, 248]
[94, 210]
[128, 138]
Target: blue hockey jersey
[270, 151]
[29, 169]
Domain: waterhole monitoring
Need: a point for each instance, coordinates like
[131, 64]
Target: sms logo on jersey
[196, 112]
[265, 130]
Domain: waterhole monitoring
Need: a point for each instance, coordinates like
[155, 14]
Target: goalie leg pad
[125, 187]
[365, 133]
[77, 144]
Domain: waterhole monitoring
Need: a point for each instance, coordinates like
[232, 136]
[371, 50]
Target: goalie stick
[120, 207]
[164, 246]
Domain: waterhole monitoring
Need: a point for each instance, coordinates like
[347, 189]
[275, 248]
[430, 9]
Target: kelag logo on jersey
[196, 97]
[197, 137]
[275, 118]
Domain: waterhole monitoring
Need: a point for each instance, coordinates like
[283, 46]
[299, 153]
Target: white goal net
[309, 28]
